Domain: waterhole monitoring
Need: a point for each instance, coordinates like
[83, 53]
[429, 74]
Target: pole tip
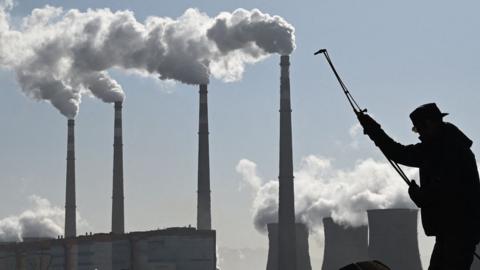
[320, 51]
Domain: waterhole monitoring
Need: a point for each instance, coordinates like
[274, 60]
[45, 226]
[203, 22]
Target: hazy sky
[393, 55]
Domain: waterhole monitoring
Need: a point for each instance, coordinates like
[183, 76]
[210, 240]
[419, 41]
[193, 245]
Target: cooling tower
[393, 238]
[301, 247]
[118, 218]
[286, 208]
[70, 207]
[343, 245]
[203, 194]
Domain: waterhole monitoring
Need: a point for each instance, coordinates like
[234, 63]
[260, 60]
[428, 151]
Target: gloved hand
[369, 125]
[415, 193]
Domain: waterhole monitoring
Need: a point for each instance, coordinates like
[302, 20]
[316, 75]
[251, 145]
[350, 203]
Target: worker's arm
[409, 155]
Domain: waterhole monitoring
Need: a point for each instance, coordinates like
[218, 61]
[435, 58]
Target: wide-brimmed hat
[427, 111]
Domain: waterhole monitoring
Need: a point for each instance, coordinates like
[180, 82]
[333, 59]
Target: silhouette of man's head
[426, 120]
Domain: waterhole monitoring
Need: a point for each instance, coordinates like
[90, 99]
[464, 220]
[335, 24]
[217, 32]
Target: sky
[393, 56]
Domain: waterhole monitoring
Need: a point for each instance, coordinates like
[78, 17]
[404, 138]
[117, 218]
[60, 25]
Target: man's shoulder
[453, 136]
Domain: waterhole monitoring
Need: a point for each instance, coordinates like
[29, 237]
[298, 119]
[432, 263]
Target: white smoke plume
[61, 55]
[250, 31]
[42, 220]
[247, 37]
[321, 190]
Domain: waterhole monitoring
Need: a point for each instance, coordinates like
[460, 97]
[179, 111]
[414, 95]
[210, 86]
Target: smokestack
[393, 238]
[286, 208]
[343, 245]
[70, 205]
[118, 219]
[203, 194]
[303, 256]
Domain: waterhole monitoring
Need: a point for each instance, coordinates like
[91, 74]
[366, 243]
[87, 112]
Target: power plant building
[168, 249]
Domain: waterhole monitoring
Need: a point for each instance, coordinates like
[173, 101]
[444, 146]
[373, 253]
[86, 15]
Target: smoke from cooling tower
[41, 220]
[321, 190]
[59, 55]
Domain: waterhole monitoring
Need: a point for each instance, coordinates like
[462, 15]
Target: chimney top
[284, 60]
[118, 104]
[71, 122]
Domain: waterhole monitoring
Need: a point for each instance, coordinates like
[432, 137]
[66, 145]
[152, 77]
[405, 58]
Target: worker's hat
[426, 111]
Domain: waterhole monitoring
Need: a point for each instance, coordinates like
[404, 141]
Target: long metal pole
[358, 111]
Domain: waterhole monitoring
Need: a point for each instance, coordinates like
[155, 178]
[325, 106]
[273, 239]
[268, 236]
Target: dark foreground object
[370, 265]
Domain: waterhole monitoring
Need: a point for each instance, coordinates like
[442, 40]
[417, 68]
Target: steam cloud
[321, 190]
[59, 56]
[42, 220]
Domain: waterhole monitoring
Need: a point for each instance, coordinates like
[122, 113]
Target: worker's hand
[415, 193]
[368, 123]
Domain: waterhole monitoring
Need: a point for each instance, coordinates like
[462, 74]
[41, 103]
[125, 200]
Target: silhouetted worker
[449, 191]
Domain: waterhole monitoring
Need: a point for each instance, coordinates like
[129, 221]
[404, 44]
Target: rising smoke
[41, 220]
[59, 56]
[321, 190]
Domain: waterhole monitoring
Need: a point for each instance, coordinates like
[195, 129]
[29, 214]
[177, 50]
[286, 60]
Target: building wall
[85, 255]
[120, 254]
[181, 253]
[58, 257]
[7, 259]
[170, 249]
[102, 255]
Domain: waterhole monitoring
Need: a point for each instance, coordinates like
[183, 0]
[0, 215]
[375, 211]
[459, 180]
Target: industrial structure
[169, 249]
[390, 230]
[204, 220]
[70, 201]
[343, 244]
[302, 248]
[286, 197]
[118, 215]
[393, 238]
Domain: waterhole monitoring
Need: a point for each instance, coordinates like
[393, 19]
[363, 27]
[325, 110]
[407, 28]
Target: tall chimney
[118, 219]
[203, 194]
[393, 238]
[302, 249]
[343, 245]
[286, 208]
[70, 206]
